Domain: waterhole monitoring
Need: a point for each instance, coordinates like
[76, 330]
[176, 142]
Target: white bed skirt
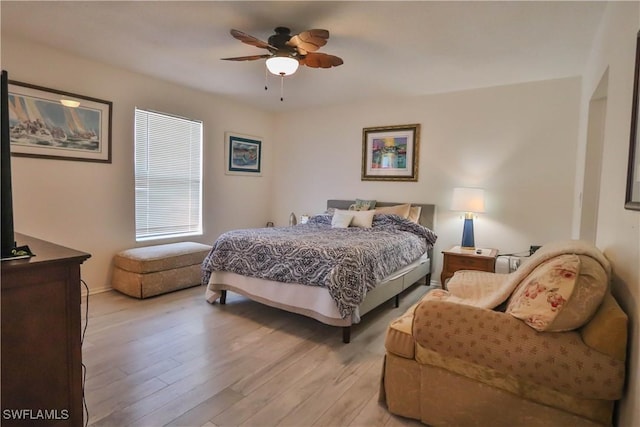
[313, 301]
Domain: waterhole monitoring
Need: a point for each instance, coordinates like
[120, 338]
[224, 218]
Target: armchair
[543, 346]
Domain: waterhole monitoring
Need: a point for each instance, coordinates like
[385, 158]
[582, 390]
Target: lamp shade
[468, 200]
[282, 65]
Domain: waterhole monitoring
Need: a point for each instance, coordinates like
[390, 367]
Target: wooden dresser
[41, 332]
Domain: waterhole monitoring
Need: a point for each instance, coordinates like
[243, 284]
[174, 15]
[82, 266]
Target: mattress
[313, 301]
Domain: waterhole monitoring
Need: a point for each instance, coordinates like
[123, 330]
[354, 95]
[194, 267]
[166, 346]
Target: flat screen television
[6, 233]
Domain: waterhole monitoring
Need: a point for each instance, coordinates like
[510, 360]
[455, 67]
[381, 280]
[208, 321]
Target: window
[168, 176]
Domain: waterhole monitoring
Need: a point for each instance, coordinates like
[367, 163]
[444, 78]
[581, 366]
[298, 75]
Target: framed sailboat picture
[53, 124]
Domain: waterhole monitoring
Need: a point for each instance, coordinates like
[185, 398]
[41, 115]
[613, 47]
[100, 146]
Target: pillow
[400, 210]
[362, 205]
[362, 218]
[341, 219]
[560, 294]
[414, 214]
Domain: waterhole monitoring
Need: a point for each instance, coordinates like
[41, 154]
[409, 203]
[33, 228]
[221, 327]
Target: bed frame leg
[223, 297]
[427, 280]
[346, 334]
[397, 300]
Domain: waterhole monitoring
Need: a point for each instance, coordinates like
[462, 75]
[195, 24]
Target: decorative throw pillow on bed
[414, 214]
[400, 210]
[362, 219]
[560, 294]
[341, 219]
[362, 205]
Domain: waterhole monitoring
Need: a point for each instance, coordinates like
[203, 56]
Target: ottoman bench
[153, 270]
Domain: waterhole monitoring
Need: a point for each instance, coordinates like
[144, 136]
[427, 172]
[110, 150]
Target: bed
[279, 266]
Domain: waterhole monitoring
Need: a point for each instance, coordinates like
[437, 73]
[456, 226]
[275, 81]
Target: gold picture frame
[390, 153]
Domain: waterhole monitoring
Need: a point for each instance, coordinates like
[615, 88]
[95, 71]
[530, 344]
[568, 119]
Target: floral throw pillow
[362, 205]
[540, 299]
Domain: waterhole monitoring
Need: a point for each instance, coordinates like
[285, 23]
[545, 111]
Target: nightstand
[457, 258]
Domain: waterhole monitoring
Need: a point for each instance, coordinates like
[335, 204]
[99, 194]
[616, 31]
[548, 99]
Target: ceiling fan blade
[247, 58]
[321, 60]
[250, 40]
[309, 41]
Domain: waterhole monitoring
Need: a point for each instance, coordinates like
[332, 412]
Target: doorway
[593, 161]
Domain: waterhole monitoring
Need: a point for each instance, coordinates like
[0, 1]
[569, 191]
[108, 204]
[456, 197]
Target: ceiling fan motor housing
[280, 39]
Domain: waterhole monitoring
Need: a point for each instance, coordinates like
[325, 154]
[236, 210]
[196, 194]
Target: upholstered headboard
[427, 215]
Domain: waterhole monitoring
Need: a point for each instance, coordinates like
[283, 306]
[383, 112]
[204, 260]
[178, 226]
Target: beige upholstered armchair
[543, 346]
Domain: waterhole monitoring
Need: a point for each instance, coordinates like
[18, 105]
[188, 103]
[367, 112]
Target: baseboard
[95, 291]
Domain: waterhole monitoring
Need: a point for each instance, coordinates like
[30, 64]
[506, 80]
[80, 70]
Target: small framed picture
[390, 153]
[243, 154]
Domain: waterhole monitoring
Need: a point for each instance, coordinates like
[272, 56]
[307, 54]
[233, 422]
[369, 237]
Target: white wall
[618, 229]
[517, 141]
[90, 206]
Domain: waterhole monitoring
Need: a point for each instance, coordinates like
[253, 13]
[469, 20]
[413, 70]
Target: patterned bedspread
[347, 261]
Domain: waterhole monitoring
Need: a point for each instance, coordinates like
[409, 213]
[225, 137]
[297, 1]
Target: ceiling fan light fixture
[282, 65]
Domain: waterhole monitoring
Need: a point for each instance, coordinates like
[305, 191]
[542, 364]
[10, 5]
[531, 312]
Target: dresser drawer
[468, 263]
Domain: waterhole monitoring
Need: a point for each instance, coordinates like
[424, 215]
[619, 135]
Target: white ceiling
[390, 48]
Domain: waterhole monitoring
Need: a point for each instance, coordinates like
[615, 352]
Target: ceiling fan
[287, 52]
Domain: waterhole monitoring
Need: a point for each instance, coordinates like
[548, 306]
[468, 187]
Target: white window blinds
[168, 176]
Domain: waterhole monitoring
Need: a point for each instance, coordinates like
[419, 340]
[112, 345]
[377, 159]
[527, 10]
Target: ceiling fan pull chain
[281, 87]
[266, 73]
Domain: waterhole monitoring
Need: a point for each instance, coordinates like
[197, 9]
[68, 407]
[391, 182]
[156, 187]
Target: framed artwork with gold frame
[390, 153]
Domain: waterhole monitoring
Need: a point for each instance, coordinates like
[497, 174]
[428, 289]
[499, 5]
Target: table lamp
[469, 201]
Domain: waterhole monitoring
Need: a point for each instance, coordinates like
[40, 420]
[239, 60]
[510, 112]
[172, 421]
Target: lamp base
[467, 235]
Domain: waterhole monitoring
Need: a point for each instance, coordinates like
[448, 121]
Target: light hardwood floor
[177, 360]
